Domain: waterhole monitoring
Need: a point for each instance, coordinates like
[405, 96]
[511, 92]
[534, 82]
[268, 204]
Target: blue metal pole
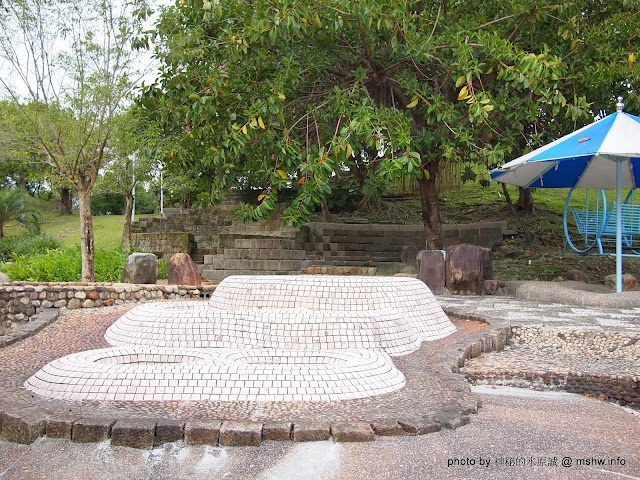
[618, 225]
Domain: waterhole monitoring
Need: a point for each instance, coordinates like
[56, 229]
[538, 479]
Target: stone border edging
[21, 301]
[622, 389]
[25, 425]
[36, 323]
[561, 292]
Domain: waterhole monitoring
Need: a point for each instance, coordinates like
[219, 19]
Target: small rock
[181, 270]
[4, 278]
[431, 270]
[577, 276]
[629, 282]
[465, 267]
[140, 268]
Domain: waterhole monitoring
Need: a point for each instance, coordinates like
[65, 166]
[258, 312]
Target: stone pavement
[517, 434]
[592, 350]
[589, 350]
[528, 313]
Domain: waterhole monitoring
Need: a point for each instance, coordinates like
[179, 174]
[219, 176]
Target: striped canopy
[585, 158]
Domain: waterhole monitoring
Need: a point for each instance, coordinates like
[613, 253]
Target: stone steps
[219, 275]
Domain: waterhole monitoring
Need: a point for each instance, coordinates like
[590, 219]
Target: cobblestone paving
[554, 343]
[521, 312]
[78, 330]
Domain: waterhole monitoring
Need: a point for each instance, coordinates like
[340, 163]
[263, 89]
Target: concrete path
[518, 434]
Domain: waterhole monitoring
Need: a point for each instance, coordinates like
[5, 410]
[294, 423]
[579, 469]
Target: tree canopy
[67, 68]
[277, 94]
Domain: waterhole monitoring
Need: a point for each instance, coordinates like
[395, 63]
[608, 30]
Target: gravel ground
[515, 435]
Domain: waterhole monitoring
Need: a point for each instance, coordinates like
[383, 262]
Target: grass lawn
[107, 228]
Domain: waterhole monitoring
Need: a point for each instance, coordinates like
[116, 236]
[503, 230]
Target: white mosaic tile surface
[260, 338]
[152, 374]
[347, 315]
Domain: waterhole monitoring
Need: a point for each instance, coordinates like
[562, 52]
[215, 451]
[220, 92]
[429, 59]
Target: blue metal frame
[606, 225]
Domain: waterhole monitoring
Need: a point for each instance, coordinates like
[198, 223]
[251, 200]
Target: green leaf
[414, 102]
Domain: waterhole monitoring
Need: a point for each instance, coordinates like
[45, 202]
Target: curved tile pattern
[259, 338]
[152, 374]
[390, 314]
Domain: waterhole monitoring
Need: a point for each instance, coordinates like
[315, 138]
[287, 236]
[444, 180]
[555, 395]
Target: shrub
[11, 247]
[65, 265]
[162, 268]
[7, 245]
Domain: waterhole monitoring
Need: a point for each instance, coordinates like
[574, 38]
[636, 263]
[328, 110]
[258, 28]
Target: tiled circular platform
[393, 315]
[196, 325]
[433, 397]
[151, 374]
[294, 339]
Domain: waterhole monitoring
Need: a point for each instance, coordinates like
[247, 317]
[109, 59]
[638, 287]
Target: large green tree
[274, 94]
[67, 67]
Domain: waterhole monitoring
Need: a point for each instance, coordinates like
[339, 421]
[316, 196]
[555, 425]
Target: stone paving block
[169, 430]
[60, 426]
[133, 432]
[202, 432]
[420, 426]
[91, 430]
[277, 431]
[387, 428]
[240, 434]
[311, 431]
[23, 427]
[453, 421]
[352, 432]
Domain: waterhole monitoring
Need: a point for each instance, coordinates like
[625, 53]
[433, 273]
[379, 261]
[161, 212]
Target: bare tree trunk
[65, 201]
[525, 200]
[87, 247]
[125, 244]
[431, 208]
[326, 215]
[527, 233]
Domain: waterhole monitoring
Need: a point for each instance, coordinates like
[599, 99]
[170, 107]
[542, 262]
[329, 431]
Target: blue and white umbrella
[604, 154]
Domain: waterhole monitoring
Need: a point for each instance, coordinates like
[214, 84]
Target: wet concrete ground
[517, 434]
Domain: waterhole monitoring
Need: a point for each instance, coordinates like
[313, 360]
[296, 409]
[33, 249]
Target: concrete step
[264, 254]
[218, 275]
[218, 262]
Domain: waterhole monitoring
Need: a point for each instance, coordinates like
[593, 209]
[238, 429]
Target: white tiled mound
[390, 314]
[259, 338]
[152, 374]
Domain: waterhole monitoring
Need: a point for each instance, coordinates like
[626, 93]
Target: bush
[107, 204]
[12, 247]
[162, 268]
[65, 265]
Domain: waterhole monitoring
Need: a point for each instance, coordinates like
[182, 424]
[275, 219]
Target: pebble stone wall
[19, 301]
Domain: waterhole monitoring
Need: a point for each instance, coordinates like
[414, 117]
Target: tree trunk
[87, 247]
[525, 200]
[431, 208]
[326, 215]
[125, 244]
[65, 201]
